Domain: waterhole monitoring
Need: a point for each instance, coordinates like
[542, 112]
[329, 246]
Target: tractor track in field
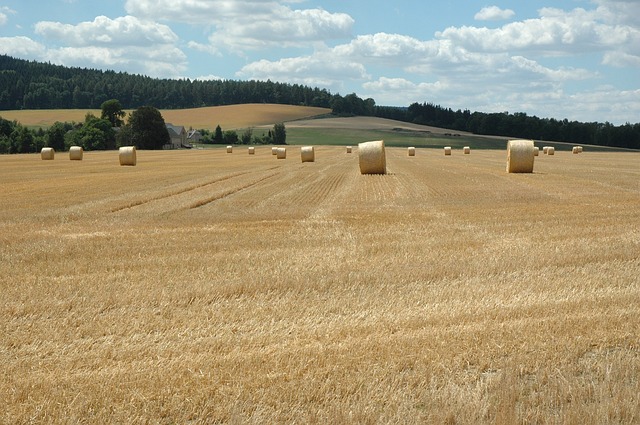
[193, 188]
[229, 192]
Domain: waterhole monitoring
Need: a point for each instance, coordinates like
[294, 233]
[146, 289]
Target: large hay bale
[371, 156]
[75, 153]
[349, 149]
[274, 150]
[466, 150]
[551, 150]
[229, 149]
[447, 150]
[411, 151]
[307, 154]
[281, 153]
[252, 150]
[128, 155]
[520, 156]
[47, 154]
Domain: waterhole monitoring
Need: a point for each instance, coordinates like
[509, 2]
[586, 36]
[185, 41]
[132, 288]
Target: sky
[563, 59]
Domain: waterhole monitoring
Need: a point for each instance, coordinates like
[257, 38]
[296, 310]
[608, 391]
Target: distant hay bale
[371, 156]
[545, 149]
[579, 149]
[348, 149]
[128, 155]
[307, 154]
[520, 156]
[447, 150]
[75, 153]
[574, 150]
[281, 153]
[466, 150]
[551, 150]
[274, 150]
[536, 151]
[252, 150]
[229, 149]
[47, 154]
[411, 151]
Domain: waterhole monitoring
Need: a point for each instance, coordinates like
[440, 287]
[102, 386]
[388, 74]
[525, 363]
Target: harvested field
[228, 117]
[202, 287]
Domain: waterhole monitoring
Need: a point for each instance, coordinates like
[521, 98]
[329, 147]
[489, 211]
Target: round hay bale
[47, 154]
[128, 155]
[574, 150]
[229, 149]
[274, 150]
[349, 149]
[520, 156]
[252, 150]
[371, 156]
[75, 153]
[536, 151]
[551, 150]
[281, 153]
[466, 150]
[579, 149]
[411, 151]
[447, 150]
[545, 149]
[307, 154]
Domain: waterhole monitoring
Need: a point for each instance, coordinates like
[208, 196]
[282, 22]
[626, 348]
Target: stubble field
[206, 287]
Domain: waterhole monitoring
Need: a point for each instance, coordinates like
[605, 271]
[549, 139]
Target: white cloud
[125, 43]
[554, 32]
[239, 26]
[22, 47]
[493, 13]
[127, 30]
[4, 14]
[209, 77]
[319, 70]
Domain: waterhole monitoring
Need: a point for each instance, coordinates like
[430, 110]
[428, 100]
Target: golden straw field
[204, 287]
[228, 116]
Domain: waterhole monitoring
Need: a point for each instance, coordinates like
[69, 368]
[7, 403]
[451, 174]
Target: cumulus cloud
[4, 14]
[249, 24]
[554, 32]
[22, 47]
[319, 70]
[494, 13]
[126, 30]
[125, 43]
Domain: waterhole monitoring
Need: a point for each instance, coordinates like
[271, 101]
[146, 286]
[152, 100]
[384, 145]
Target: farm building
[178, 136]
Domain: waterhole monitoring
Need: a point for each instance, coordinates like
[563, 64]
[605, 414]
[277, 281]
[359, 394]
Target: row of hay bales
[127, 154]
[520, 155]
[371, 155]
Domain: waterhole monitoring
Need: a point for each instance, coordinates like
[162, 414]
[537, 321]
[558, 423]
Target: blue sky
[574, 59]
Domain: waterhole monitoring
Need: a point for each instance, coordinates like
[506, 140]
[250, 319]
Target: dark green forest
[36, 85]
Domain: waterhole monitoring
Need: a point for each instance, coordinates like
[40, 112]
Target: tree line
[35, 85]
[144, 128]
[517, 124]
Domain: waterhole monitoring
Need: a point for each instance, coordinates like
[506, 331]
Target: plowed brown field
[206, 287]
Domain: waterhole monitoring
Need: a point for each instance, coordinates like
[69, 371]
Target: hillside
[228, 117]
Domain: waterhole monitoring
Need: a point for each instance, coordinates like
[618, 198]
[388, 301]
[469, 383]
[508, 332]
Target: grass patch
[392, 137]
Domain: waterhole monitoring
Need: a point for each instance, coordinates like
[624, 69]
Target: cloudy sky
[575, 59]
